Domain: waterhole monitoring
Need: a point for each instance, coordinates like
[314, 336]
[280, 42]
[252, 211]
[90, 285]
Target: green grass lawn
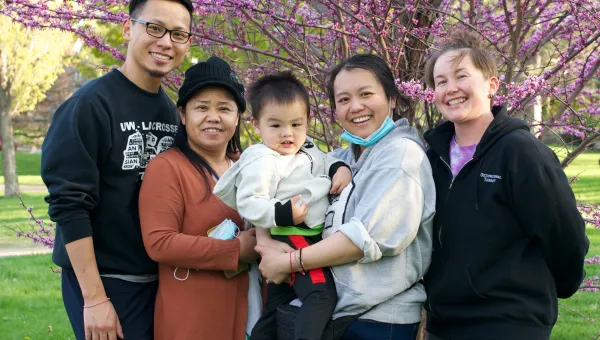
[11, 214]
[579, 315]
[14, 216]
[30, 300]
[27, 180]
[28, 168]
[27, 163]
[587, 169]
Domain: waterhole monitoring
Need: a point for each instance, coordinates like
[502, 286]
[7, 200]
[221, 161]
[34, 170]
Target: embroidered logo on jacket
[490, 178]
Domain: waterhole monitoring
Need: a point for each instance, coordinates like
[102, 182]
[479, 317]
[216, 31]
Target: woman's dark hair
[372, 63]
[234, 146]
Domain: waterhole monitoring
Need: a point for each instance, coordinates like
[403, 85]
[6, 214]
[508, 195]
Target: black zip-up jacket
[508, 238]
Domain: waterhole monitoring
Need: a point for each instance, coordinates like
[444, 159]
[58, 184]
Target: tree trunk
[9, 164]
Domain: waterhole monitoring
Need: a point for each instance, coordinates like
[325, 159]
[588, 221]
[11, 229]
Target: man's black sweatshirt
[508, 238]
[93, 160]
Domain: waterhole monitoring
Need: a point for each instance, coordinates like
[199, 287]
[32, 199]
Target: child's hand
[340, 180]
[298, 212]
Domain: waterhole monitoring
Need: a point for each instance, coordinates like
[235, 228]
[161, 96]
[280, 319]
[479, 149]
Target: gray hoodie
[387, 211]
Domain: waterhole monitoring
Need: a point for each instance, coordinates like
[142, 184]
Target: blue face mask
[387, 126]
[226, 230]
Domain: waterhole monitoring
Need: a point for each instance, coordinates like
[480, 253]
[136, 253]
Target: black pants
[315, 289]
[133, 302]
[372, 330]
[432, 337]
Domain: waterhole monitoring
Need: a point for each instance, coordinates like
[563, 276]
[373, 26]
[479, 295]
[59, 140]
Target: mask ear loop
[237, 231]
[180, 279]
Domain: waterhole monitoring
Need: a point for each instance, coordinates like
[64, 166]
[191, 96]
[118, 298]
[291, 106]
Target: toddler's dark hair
[281, 88]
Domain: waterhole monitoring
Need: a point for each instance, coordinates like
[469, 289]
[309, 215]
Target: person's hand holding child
[340, 180]
[247, 243]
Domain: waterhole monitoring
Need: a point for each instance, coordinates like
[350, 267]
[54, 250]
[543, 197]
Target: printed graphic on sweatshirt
[143, 145]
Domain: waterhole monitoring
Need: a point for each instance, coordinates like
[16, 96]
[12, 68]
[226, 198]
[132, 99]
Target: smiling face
[361, 104]
[461, 90]
[210, 118]
[283, 127]
[151, 56]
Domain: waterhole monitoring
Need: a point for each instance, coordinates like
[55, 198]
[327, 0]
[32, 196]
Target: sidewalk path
[28, 188]
[24, 251]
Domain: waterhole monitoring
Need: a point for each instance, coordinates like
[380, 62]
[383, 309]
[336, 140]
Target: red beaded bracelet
[96, 304]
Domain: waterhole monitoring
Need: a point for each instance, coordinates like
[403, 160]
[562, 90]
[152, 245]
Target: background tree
[30, 61]
[548, 50]
[29, 128]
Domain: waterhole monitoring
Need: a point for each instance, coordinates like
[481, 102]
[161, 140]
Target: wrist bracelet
[301, 263]
[96, 304]
[296, 261]
[298, 266]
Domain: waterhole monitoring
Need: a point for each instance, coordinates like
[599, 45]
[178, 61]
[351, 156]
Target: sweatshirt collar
[132, 86]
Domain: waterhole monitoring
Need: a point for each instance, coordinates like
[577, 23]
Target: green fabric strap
[288, 231]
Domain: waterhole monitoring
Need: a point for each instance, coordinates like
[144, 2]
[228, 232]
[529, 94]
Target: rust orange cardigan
[175, 217]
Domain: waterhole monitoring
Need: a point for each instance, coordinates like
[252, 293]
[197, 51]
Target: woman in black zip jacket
[508, 238]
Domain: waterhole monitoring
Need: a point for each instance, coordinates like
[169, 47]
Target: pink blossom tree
[548, 50]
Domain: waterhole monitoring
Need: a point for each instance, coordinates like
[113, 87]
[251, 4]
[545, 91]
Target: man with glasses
[93, 161]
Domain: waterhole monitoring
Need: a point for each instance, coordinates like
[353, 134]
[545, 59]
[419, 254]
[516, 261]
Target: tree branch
[403, 40]
[574, 53]
[342, 24]
[577, 91]
[585, 144]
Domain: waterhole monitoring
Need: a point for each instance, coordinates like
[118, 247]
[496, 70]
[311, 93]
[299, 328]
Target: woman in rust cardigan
[177, 208]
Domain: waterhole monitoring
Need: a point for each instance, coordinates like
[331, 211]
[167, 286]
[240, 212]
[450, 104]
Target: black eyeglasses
[158, 31]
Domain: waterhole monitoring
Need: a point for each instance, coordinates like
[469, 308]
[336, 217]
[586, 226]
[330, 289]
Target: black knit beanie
[213, 72]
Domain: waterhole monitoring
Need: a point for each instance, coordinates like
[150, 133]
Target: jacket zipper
[449, 189]
[453, 177]
[447, 195]
[452, 181]
[309, 158]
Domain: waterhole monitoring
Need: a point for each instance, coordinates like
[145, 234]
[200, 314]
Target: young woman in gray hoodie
[378, 231]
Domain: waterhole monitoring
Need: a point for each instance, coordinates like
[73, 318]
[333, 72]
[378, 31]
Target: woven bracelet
[96, 304]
